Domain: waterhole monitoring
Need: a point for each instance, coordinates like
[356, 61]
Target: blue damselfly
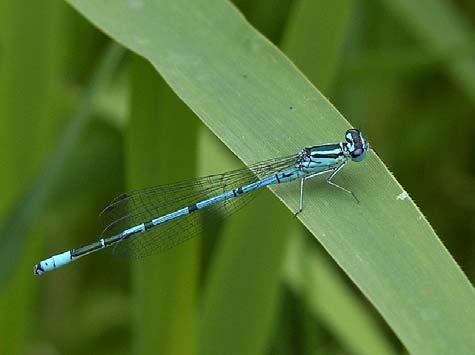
[158, 218]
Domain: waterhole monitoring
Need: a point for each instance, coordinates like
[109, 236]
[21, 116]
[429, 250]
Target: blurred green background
[73, 109]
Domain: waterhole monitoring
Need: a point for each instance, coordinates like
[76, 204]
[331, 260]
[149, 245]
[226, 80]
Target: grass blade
[165, 286]
[313, 40]
[260, 106]
[314, 36]
[35, 197]
[325, 294]
[444, 32]
[242, 288]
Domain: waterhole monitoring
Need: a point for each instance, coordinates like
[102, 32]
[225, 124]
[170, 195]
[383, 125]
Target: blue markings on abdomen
[284, 176]
[215, 199]
[133, 230]
[288, 175]
[178, 213]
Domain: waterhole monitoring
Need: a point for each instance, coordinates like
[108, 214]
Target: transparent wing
[131, 209]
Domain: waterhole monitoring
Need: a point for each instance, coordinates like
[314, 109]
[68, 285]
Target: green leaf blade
[260, 106]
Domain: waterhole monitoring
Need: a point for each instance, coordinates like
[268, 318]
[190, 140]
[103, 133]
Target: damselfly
[158, 218]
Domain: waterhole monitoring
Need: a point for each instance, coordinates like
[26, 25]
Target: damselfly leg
[334, 172]
[330, 178]
[302, 180]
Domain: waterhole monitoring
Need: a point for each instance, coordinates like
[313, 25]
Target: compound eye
[356, 153]
[351, 135]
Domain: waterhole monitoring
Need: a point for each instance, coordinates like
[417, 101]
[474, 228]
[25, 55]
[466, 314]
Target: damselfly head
[357, 146]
